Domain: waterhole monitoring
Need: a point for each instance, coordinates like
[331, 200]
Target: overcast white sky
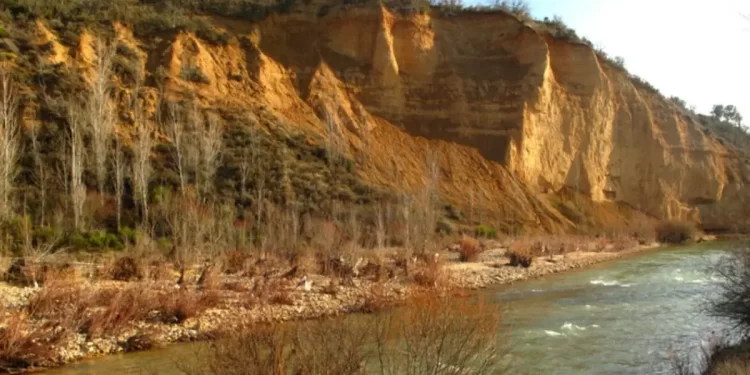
[697, 50]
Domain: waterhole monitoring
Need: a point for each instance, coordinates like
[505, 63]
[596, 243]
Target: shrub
[194, 74]
[4, 33]
[429, 274]
[484, 231]
[429, 336]
[522, 253]
[235, 261]
[126, 268]
[675, 232]
[730, 303]
[469, 250]
[128, 235]
[520, 258]
[23, 345]
[121, 308]
[185, 304]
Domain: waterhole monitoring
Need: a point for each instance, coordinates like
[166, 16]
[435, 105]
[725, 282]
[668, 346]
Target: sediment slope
[509, 114]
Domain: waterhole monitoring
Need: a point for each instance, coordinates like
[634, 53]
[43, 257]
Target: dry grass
[469, 250]
[119, 310]
[24, 345]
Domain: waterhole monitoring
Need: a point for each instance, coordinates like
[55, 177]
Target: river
[626, 316]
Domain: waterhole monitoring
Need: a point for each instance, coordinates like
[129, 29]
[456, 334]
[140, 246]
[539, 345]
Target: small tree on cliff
[727, 113]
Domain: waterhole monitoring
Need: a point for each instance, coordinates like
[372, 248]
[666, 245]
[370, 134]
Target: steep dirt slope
[509, 114]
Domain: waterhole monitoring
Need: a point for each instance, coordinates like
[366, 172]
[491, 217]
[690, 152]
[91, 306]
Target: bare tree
[41, 175]
[181, 141]
[9, 140]
[209, 143]
[380, 227]
[75, 142]
[334, 142]
[101, 111]
[142, 147]
[424, 207]
[118, 164]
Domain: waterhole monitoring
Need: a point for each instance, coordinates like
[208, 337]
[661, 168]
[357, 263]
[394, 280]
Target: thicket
[429, 336]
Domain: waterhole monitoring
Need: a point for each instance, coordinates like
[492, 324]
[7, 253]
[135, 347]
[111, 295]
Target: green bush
[484, 231]
[4, 33]
[193, 74]
[571, 211]
[78, 241]
[675, 232]
[129, 235]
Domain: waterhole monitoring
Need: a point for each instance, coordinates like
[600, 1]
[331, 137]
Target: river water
[628, 316]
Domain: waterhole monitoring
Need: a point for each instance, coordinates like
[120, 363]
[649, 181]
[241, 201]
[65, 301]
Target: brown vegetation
[429, 336]
[675, 232]
[24, 344]
[469, 250]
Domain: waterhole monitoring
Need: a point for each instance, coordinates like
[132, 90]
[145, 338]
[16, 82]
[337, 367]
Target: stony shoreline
[320, 301]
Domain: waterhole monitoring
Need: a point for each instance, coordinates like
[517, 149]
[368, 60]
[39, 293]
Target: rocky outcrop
[508, 113]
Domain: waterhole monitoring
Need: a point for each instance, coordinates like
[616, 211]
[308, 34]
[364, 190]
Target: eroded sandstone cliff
[510, 114]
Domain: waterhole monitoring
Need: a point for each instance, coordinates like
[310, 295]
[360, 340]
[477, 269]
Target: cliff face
[507, 113]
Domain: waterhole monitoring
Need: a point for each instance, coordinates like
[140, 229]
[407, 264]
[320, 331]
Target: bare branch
[101, 111]
[9, 139]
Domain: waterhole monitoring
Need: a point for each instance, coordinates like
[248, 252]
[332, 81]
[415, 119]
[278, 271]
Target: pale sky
[697, 50]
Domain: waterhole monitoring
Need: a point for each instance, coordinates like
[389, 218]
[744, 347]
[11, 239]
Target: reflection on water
[620, 317]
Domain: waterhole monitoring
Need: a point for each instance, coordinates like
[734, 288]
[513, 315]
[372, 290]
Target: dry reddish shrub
[469, 250]
[59, 301]
[120, 309]
[26, 273]
[23, 345]
[429, 336]
[235, 261]
[126, 268]
[139, 342]
[210, 277]
[157, 270]
[522, 253]
[429, 273]
[675, 232]
[433, 333]
[185, 304]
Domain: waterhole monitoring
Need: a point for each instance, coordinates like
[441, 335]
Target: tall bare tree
[142, 147]
[41, 173]
[76, 159]
[209, 143]
[118, 165]
[177, 130]
[9, 139]
[101, 111]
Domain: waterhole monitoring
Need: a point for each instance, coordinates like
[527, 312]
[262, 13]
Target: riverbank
[93, 319]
